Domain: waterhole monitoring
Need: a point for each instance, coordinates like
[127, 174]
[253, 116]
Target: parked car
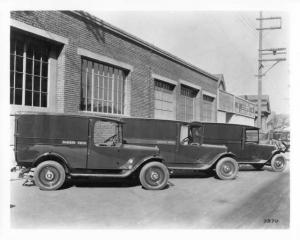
[57, 146]
[241, 141]
[280, 137]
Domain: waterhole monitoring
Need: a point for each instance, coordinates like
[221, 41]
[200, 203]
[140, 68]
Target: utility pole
[261, 52]
[260, 66]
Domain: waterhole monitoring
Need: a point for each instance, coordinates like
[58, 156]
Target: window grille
[28, 71]
[102, 88]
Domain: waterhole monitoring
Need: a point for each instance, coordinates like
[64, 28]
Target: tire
[258, 166]
[154, 176]
[49, 175]
[227, 168]
[278, 163]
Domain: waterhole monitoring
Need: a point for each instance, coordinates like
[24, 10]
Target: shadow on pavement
[248, 168]
[193, 174]
[105, 183]
[100, 183]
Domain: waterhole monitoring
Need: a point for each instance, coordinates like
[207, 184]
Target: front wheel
[227, 168]
[278, 163]
[49, 175]
[154, 176]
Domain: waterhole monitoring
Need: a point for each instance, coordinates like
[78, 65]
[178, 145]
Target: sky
[217, 42]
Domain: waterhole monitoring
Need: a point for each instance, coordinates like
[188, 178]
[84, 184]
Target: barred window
[28, 71]
[102, 88]
[187, 103]
[163, 86]
[164, 101]
[208, 108]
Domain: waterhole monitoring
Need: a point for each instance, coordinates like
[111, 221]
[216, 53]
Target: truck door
[191, 149]
[104, 145]
[188, 150]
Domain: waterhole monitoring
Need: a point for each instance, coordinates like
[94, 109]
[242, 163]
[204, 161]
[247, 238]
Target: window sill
[21, 108]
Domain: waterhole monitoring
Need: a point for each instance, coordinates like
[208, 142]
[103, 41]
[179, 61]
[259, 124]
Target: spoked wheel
[258, 166]
[154, 176]
[278, 163]
[227, 168]
[49, 175]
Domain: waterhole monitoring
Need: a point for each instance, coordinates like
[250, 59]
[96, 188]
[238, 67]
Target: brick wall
[84, 34]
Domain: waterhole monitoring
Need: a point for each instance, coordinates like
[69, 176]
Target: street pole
[262, 52]
[260, 67]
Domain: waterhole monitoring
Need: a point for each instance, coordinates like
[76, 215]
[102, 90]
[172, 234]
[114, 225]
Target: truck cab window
[184, 135]
[252, 136]
[106, 133]
[196, 135]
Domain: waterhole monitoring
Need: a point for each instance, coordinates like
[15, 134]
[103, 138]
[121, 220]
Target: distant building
[233, 109]
[265, 109]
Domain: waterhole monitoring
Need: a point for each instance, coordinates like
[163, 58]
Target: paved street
[256, 199]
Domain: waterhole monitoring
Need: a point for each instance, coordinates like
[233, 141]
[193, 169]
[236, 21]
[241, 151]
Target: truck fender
[275, 152]
[222, 155]
[57, 157]
[147, 159]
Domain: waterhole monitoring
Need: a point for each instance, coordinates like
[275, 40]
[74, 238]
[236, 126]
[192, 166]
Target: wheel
[154, 176]
[49, 175]
[258, 166]
[227, 168]
[278, 163]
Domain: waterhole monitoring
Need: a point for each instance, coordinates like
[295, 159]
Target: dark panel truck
[57, 146]
[197, 142]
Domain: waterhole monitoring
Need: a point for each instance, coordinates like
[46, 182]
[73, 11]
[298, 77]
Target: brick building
[64, 61]
[72, 62]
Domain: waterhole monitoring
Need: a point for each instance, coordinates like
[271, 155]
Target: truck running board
[102, 175]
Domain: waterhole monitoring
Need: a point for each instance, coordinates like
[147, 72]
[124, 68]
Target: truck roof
[79, 115]
[225, 124]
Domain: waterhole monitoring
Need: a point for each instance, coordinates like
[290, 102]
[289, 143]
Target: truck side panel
[149, 132]
[39, 134]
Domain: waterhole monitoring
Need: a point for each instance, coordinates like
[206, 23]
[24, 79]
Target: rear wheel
[154, 176]
[278, 163]
[227, 168]
[49, 175]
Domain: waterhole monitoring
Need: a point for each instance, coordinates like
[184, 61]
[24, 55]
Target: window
[252, 136]
[186, 103]
[107, 133]
[190, 135]
[164, 104]
[28, 71]
[208, 108]
[184, 133]
[102, 88]
[196, 134]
